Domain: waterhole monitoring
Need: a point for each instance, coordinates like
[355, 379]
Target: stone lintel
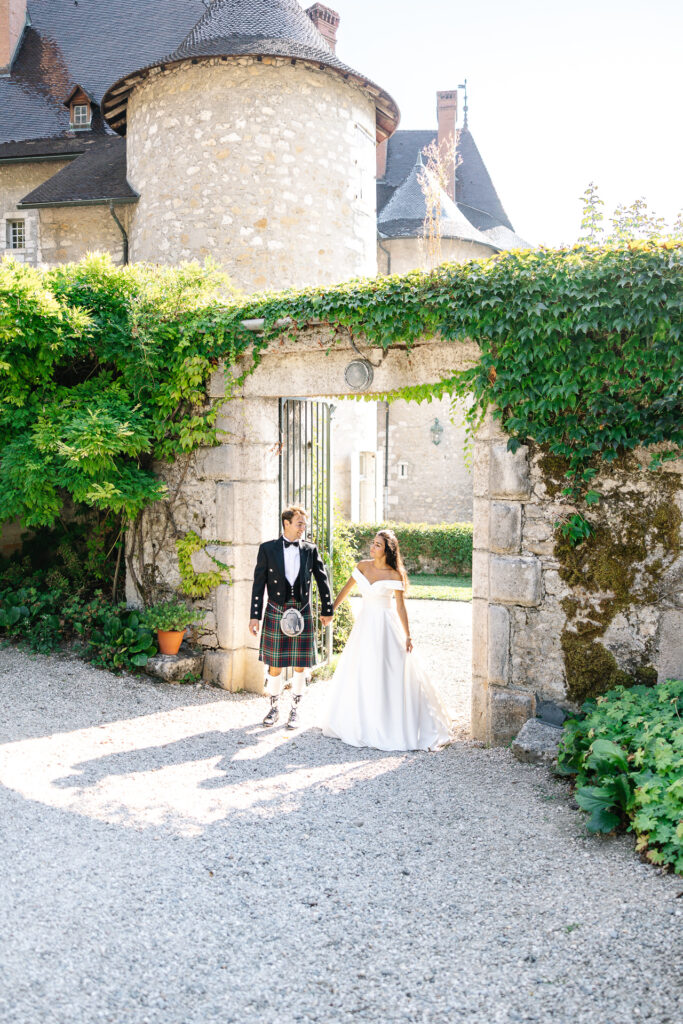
[515, 580]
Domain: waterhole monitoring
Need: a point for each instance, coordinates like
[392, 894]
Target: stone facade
[266, 166]
[56, 234]
[428, 483]
[400, 255]
[16, 181]
[527, 604]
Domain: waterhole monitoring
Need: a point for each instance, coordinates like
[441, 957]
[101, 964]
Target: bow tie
[290, 543]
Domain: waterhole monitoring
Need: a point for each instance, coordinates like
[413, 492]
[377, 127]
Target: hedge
[441, 548]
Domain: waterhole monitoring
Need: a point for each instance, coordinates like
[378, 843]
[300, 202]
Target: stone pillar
[503, 579]
[244, 474]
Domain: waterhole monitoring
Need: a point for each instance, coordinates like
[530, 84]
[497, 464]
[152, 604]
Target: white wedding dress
[381, 696]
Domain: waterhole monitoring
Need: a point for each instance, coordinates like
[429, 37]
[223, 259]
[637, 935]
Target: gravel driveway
[167, 861]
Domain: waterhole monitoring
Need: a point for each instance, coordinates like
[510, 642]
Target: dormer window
[80, 115]
[80, 108]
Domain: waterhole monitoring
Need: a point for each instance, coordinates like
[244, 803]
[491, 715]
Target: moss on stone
[554, 469]
[636, 537]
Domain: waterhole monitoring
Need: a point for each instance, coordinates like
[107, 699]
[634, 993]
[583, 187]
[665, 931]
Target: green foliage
[343, 563]
[629, 223]
[199, 584]
[172, 616]
[119, 640]
[44, 618]
[104, 369]
[446, 548]
[626, 754]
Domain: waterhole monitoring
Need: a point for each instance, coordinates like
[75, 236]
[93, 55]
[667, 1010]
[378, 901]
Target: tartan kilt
[280, 651]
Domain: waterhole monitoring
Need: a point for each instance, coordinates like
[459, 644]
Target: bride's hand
[409, 644]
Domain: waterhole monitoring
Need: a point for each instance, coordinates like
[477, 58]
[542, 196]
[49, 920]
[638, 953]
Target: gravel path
[167, 861]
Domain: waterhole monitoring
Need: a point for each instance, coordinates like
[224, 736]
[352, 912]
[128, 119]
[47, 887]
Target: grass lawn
[440, 588]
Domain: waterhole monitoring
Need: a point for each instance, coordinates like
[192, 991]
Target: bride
[381, 695]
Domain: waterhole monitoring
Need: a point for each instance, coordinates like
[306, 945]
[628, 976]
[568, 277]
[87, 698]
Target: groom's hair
[291, 511]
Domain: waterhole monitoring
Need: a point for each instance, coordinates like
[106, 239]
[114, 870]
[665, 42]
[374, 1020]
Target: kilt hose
[279, 651]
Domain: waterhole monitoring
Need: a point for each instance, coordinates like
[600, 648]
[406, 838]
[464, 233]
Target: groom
[285, 566]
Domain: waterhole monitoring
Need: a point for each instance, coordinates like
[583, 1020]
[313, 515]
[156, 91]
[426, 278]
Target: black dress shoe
[293, 720]
[274, 713]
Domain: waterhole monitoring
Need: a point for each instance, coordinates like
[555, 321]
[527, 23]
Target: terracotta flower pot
[170, 640]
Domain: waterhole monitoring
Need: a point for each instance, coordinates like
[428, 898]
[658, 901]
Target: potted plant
[170, 619]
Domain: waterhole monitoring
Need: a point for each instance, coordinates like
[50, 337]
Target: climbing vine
[199, 584]
[104, 370]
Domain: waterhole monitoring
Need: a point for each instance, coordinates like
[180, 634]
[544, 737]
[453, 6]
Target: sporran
[292, 622]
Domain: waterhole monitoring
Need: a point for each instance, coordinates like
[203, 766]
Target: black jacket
[270, 573]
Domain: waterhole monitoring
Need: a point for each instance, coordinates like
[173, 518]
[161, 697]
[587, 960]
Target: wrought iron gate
[306, 480]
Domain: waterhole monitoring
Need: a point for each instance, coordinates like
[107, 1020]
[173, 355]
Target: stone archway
[244, 473]
[527, 608]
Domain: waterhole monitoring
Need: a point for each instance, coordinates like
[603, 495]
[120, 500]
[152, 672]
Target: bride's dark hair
[392, 553]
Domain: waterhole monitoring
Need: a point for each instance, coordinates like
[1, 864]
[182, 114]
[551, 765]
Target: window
[80, 115]
[16, 234]
[403, 470]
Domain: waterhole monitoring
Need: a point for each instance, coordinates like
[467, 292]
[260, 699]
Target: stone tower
[254, 144]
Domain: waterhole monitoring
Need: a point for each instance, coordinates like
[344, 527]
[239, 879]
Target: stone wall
[558, 624]
[57, 234]
[68, 233]
[265, 165]
[428, 483]
[16, 181]
[400, 255]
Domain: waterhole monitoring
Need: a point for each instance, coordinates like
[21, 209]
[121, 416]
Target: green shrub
[444, 549]
[343, 563]
[627, 756]
[43, 618]
[172, 616]
[120, 640]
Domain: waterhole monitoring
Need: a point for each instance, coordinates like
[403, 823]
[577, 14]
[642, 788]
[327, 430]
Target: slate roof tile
[96, 176]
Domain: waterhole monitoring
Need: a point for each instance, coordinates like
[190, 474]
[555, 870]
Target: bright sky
[560, 94]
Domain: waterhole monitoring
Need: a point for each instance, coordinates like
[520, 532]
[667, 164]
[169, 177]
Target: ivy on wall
[103, 370]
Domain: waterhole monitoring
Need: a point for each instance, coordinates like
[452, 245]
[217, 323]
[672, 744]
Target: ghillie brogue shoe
[274, 713]
[293, 720]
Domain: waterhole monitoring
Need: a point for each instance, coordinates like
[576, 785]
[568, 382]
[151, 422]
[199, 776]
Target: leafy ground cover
[626, 755]
[440, 588]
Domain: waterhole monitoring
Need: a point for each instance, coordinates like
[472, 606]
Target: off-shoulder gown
[380, 695]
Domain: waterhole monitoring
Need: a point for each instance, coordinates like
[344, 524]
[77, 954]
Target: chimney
[13, 21]
[382, 158]
[326, 21]
[447, 113]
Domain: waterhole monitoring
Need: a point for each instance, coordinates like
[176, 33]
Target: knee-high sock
[274, 685]
[298, 683]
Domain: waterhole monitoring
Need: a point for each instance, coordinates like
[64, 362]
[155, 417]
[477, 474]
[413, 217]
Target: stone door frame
[244, 472]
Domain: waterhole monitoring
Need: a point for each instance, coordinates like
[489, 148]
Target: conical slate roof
[405, 213]
[473, 186]
[273, 28]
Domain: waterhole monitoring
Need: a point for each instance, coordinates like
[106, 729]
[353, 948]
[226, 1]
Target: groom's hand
[326, 620]
[253, 626]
